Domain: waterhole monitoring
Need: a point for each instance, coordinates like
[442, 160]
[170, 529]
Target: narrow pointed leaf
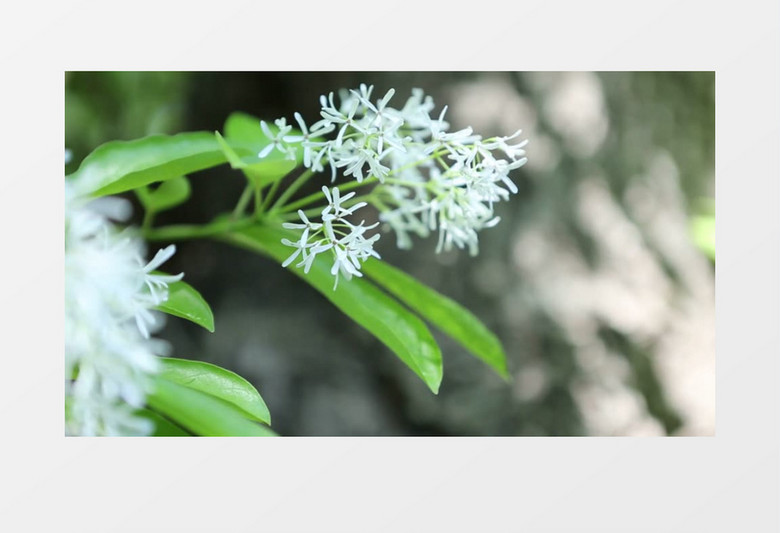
[446, 314]
[219, 382]
[120, 166]
[185, 302]
[400, 330]
[202, 413]
[233, 158]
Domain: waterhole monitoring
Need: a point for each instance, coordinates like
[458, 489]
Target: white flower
[346, 241]
[430, 178]
[514, 152]
[440, 137]
[354, 157]
[306, 223]
[277, 141]
[109, 296]
[307, 250]
[334, 116]
[334, 203]
[378, 110]
[350, 250]
[309, 146]
[158, 283]
[299, 246]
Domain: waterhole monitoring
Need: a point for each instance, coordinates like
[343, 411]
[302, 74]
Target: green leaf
[120, 166]
[232, 157]
[202, 413]
[401, 331]
[218, 382]
[260, 172]
[245, 128]
[168, 195]
[185, 302]
[162, 426]
[446, 314]
[244, 139]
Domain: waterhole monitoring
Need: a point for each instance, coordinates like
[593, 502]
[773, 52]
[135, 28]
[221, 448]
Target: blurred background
[599, 280]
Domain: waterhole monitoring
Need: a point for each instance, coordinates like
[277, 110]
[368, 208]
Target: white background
[706, 484]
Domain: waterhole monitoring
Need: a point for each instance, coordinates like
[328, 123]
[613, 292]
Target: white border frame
[724, 483]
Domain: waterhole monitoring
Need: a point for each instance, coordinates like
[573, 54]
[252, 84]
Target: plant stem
[316, 210]
[442, 162]
[148, 220]
[279, 205]
[193, 231]
[319, 195]
[294, 186]
[406, 183]
[379, 204]
[270, 195]
[258, 202]
[238, 212]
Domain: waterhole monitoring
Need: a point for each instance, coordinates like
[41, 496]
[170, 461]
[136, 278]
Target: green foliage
[202, 413]
[400, 330]
[162, 426]
[243, 141]
[120, 166]
[192, 397]
[446, 314]
[185, 302]
[168, 195]
[218, 382]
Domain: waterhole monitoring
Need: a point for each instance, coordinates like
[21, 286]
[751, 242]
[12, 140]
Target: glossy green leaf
[202, 413]
[244, 139]
[404, 333]
[219, 382]
[185, 302]
[446, 314]
[169, 194]
[162, 426]
[119, 166]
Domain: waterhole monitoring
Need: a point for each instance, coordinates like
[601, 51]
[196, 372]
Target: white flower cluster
[367, 133]
[109, 294]
[346, 241]
[428, 178]
[453, 190]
